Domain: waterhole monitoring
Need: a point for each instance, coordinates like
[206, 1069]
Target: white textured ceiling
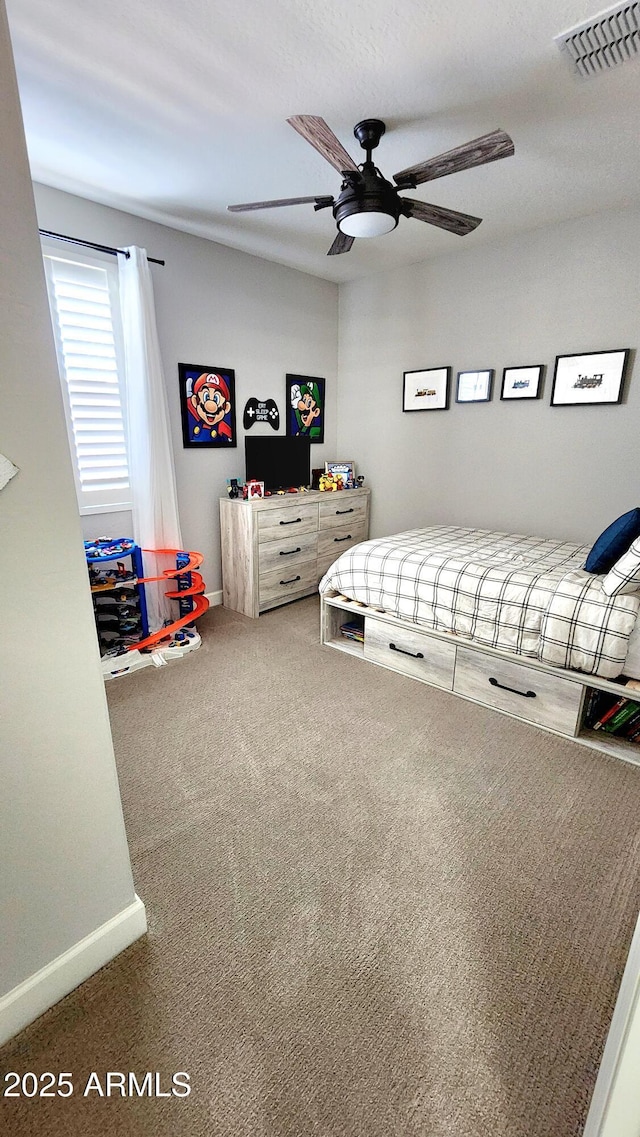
[174, 110]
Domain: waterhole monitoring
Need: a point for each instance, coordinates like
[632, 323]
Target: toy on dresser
[339, 476]
[329, 482]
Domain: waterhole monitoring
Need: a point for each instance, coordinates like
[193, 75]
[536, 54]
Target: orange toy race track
[200, 602]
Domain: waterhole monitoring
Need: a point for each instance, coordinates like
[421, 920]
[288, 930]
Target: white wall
[216, 306]
[516, 466]
[64, 861]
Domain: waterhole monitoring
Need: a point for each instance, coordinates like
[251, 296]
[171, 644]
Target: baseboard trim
[214, 598]
[41, 990]
[615, 1105]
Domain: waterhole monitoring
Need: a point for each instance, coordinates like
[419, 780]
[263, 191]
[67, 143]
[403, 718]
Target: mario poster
[305, 406]
[208, 405]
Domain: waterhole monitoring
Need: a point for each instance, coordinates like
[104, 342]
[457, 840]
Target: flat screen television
[281, 462]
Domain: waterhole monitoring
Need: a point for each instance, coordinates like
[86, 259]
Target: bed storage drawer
[522, 691]
[412, 653]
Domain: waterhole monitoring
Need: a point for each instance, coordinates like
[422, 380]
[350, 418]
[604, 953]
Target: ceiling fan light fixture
[367, 223]
[368, 205]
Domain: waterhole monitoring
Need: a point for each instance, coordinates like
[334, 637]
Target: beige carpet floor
[374, 909]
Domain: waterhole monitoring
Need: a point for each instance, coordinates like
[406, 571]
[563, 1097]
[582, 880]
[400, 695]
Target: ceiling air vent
[611, 38]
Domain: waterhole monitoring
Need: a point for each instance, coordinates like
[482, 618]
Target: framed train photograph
[586, 380]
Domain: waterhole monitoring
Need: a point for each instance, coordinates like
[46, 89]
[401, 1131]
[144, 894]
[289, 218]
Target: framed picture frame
[344, 470]
[590, 378]
[426, 390]
[474, 386]
[305, 406]
[207, 405]
[522, 382]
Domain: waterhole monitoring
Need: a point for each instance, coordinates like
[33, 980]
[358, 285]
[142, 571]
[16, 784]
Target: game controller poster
[305, 406]
[258, 410]
[207, 405]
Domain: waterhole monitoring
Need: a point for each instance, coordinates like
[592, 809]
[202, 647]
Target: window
[83, 295]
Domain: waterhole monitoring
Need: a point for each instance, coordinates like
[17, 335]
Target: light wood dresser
[276, 549]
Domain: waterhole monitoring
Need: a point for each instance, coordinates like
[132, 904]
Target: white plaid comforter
[520, 594]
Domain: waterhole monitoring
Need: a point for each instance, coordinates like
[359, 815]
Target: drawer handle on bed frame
[337, 540]
[290, 551]
[339, 512]
[292, 581]
[413, 654]
[294, 522]
[525, 694]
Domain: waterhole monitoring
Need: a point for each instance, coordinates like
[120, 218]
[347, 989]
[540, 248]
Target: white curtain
[155, 501]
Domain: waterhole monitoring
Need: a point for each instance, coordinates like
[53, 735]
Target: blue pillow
[614, 542]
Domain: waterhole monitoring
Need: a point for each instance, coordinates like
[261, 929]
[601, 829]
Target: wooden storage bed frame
[551, 698]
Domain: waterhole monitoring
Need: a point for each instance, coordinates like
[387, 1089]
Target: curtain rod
[92, 245]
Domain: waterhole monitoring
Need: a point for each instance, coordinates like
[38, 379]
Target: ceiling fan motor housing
[367, 192]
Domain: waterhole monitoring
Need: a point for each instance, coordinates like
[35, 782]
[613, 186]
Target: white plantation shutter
[84, 310]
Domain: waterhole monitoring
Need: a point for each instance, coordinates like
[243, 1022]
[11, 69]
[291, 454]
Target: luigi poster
[305, 406]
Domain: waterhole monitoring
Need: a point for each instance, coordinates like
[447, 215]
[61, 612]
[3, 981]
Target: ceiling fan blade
[322, 138]
[488, 148]
[320, 202]
[342, 244]
[459, 223]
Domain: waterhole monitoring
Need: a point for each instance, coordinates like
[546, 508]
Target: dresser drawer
[332, 542]
[286, 582]
[340, 510]
[412, 653]
[289, 519]
[534, 695]
[291, 549]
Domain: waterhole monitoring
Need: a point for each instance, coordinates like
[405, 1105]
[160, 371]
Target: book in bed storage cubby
[344, 629]
[611, 718]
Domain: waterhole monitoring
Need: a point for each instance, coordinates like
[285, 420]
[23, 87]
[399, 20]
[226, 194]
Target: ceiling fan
[368, 205]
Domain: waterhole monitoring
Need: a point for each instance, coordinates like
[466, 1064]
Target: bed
[523, 595]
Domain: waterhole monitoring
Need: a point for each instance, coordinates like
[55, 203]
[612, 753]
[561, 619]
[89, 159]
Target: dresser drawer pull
[348, 537]
[525, 694]
[294, 522]
[290, 551]
[413, 654]
[339, 512]
[292, 581]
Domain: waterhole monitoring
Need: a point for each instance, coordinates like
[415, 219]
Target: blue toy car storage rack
[102, 552]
